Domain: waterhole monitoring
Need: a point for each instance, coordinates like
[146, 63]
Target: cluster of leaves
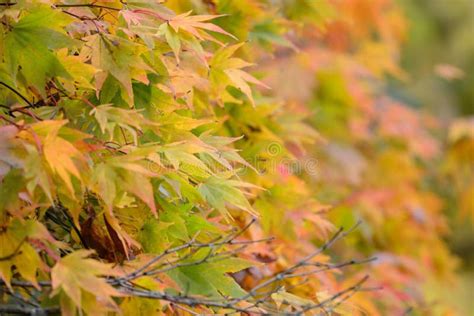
[133, 137]
[111, 148]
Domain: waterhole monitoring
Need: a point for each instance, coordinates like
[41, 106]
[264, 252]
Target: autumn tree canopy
[214, 156]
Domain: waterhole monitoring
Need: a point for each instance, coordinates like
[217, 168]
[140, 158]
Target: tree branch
[88, 5]
[25, 310]
[16, 92]
[258, 300]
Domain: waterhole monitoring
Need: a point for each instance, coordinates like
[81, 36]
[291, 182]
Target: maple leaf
[193, 23]
[29, 45]
[17, 251]
[81, 73]
[60, 154]
[14, 252]
[127, 174]
[221, 192]
[226, 70]
[76, 273]
[211, 278]
[120, 58]
[110, 117]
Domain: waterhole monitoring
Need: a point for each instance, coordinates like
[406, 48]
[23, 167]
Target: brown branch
[6, 119]
[330, 267]
[354, 288]
[227, 240]
[284, 274]
[19, 283]
[257, 301]
[25, 310]
[87, 5]
[192, 301]
[25, 109]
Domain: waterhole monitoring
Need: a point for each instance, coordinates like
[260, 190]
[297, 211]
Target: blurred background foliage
[438, 57]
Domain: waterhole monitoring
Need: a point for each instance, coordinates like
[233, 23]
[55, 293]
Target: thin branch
[16, 92]
[26, 283]
[330, 267]
[283, 275]
[355, 287]
[88, 5]
[256, 306]
[349, 295]
[21, 299]
[14, 253]
[227, 240]
[257, 301]
[25, 310]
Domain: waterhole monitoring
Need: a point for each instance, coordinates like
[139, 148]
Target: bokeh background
[438, 56]
[389, 85]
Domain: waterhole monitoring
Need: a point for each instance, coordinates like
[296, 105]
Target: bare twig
[284, 274]
[87, 5]
[26, 310]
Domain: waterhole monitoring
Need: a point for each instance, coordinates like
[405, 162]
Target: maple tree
[155, 160]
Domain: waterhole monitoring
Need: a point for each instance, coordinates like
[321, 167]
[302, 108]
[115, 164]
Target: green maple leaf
[211, 278]
[220, 193]
[28, 46]
[120, 58]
